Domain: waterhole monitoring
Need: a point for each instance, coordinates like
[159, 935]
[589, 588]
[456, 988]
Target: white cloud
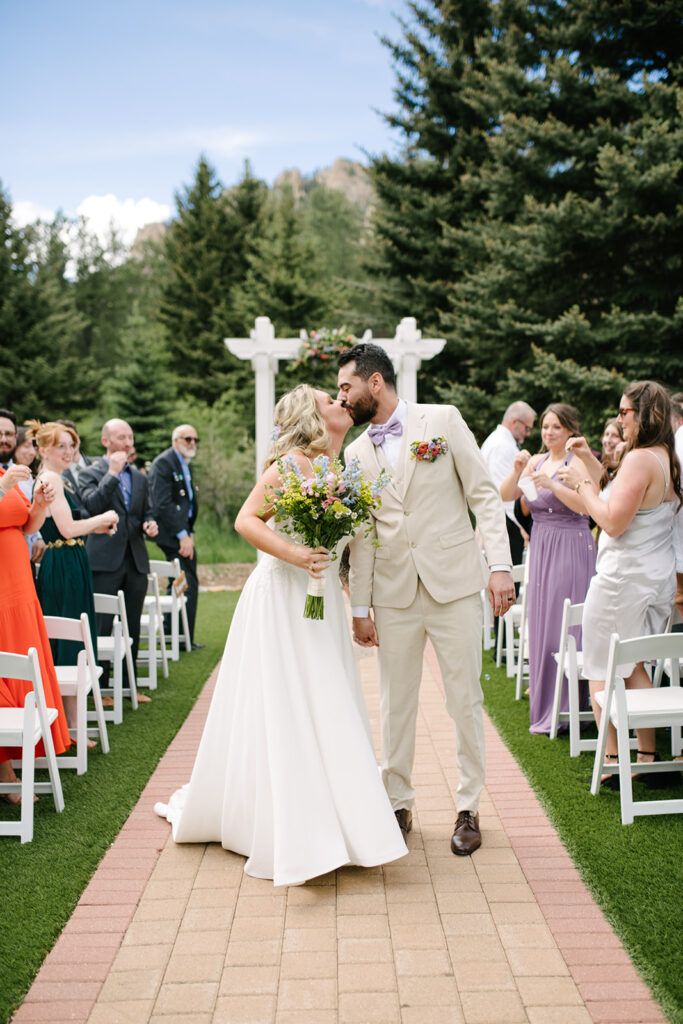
[125, 215]
[26, 212]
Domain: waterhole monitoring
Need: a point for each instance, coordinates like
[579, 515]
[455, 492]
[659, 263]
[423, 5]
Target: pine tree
[207, 247]
[564, 232]
[43, 374]
[284, 280]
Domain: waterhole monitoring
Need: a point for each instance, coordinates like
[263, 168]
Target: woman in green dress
[65, 585]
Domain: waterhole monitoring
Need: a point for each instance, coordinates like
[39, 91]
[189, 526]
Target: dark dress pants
[133, 583]
[189, 567]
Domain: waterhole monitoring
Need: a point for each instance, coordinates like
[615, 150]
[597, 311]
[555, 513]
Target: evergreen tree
[567, 234]
[206, 249]
[284, 279]
[142, 391]
[43, 374]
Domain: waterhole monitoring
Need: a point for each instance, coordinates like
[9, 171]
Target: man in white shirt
[499, 450]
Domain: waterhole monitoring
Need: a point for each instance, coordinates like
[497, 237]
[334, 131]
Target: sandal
[658, 780]
[610, 781]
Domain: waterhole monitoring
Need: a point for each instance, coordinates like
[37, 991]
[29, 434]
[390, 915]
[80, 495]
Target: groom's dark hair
[370, 359]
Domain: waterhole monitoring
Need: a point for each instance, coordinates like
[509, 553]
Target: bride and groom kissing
[285, 773]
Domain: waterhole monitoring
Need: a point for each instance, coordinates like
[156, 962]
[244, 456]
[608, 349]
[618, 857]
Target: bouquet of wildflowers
[321, 509]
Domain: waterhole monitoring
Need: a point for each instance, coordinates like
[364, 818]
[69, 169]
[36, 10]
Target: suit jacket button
[413, 544]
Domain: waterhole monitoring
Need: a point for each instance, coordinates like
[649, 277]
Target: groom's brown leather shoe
[466, 836]
[404, 817]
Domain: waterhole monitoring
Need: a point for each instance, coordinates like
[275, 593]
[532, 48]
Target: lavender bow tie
[378, 431]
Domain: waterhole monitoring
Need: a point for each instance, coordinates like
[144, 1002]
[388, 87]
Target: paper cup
[528, 488]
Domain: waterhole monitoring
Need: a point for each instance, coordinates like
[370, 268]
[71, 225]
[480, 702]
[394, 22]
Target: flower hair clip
[428, 451]
[275, 432]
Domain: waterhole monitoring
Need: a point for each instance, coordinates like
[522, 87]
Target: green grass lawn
[43, 880]
[634, 871]
[215, 544]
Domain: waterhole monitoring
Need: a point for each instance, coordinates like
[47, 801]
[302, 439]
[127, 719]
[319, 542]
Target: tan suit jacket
[423, 525]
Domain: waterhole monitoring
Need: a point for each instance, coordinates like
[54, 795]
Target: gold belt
[68, 543]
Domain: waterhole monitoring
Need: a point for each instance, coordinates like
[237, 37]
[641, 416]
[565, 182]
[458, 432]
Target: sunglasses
[622, 412]
[190, 440]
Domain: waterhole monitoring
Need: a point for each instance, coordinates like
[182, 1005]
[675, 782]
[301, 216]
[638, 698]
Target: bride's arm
[251, 524]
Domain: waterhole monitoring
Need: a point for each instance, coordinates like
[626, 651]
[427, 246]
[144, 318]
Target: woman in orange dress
[21, 620]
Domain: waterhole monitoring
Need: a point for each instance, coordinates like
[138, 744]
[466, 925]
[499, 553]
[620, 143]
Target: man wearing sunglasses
[174, 500]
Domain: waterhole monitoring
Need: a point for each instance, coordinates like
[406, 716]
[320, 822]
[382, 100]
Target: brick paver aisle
[180, 935]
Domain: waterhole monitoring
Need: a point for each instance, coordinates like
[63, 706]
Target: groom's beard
[362, 410]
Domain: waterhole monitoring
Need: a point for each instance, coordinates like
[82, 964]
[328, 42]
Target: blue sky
[118, 99]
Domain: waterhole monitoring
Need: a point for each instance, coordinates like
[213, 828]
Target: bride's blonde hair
[298, 424]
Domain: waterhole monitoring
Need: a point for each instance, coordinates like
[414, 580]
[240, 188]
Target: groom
[425, 577]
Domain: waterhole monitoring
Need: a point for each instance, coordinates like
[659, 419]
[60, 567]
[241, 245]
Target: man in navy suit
[119, 561]
[174, 502]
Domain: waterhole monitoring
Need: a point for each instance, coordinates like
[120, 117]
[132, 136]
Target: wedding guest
[174, 503]
[119, 561]
[79, 461]
[561, 554]
[677, 424]
[499, 450]
[25, 455]
[21, 619]
[65, 584]
[8, 437]
[632, 592]
[612, 438]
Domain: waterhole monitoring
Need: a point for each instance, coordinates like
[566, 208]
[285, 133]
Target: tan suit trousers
[454, 629]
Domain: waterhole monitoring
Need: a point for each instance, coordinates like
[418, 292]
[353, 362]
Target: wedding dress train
[285, 773]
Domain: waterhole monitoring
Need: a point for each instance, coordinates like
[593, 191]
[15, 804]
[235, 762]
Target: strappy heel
[610, 781]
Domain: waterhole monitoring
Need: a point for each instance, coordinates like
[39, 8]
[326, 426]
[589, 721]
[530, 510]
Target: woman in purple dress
[561, 554]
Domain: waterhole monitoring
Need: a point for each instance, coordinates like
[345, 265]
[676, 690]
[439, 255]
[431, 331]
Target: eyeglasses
[622, 412]
[8, 433]
[189, 440]
[527, 428]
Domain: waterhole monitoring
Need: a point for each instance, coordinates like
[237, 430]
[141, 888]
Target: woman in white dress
[285, 773]
[634, 587]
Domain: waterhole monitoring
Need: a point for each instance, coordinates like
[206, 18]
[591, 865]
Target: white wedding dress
[285, 773]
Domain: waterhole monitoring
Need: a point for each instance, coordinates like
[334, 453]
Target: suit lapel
[416, 429]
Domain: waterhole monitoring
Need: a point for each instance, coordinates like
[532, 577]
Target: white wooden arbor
[407, 349]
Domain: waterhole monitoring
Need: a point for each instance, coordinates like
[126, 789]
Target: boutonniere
[178, 477]
[428, 451]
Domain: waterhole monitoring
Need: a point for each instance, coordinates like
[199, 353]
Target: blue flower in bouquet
[320, 509]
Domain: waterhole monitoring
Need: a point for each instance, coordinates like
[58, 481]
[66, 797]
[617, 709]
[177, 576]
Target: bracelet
[586, 481]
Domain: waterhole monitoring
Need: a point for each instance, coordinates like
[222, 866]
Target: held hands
[314, 560]
[364, 632]
[13, 476]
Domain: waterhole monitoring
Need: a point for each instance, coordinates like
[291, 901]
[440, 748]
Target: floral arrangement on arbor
[324, 345]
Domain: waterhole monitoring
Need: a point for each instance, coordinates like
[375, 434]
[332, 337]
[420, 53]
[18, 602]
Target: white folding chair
[570, 666]
[509, 626]
[151, 627]
[674, 619]
[522, 654]
[116, 648]
[78, 681]
[650, 708]
[173, 604]
[25, 727]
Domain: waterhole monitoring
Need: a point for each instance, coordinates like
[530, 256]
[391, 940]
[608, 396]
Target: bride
[285, 773]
